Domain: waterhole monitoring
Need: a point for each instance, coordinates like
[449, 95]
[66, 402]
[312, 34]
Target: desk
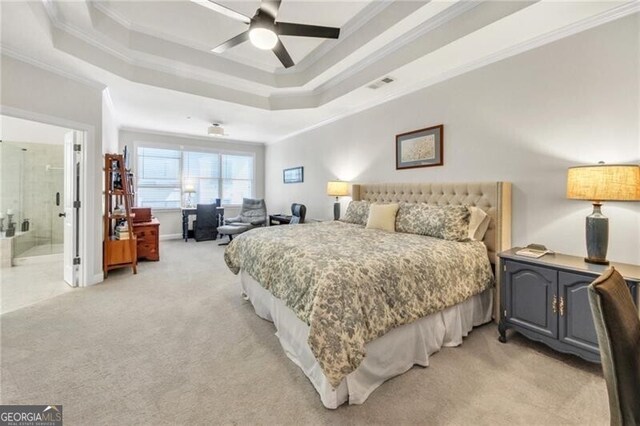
[279, 219]
[188, 211]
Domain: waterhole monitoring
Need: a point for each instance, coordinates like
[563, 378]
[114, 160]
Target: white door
[72, 145]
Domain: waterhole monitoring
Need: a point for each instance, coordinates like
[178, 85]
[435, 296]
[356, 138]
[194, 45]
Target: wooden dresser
[148, 237]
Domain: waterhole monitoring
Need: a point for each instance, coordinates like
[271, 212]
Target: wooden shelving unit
[118, 253]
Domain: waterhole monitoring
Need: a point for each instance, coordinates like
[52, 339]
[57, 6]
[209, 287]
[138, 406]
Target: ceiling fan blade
[270, 7]
[283, 55]
[301, 30]
[209, 4]
[240, 38]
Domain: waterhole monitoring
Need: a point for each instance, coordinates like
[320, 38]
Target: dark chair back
[618, 328]
[206, 224]
[298, 213]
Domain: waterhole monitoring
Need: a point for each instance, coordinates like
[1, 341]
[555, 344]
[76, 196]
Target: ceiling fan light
[263, 38]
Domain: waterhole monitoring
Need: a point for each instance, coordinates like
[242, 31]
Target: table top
[153, 221]
[574, 263]
[193, 209]
[280, 215]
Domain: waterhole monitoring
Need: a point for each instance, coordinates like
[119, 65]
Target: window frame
[191, 148]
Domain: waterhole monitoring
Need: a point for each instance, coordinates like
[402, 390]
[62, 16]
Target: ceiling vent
[215, 130]
[378, 84]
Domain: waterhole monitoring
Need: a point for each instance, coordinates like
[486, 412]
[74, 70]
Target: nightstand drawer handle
[554, 304]
[561, 306]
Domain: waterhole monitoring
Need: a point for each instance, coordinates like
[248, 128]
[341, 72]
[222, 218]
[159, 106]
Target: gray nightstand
[546, 299]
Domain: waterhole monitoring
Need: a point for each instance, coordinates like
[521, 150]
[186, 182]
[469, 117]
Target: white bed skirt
[386, 357]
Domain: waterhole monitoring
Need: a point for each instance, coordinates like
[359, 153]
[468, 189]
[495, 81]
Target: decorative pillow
[444, 222]
[383, 216]
[357, 212]
[478, 223]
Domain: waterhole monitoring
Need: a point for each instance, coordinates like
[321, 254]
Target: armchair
[252, 214]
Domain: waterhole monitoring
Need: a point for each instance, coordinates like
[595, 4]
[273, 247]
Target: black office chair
[618, 328]
[205, 226]
[298, 213]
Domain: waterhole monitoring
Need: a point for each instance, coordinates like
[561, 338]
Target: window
[201, 170]
[237, 178]
[163, 175]
[158, 177]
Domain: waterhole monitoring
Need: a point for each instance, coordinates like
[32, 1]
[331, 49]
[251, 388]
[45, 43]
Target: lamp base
[597, 232]
[336, 210]
[596, 261]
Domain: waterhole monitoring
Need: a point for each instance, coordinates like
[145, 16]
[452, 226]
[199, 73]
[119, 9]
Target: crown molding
[133, 27]
[14, 54]
[188, 136]
[149, 62]
[354, 24]
[431, 24]
[617, 12]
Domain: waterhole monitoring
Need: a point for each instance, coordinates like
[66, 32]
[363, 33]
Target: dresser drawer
[146, 233]
[148, 246]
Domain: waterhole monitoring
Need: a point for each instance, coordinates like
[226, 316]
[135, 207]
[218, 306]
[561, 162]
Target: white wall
[109, 125]
[18, 130]
[171, 220]
[524, 120]
[34, 93]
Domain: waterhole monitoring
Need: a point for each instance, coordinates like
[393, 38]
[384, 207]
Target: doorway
[39, 211]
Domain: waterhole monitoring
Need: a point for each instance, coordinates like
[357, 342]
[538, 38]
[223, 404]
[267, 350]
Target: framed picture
[420, 148]
[293, 175]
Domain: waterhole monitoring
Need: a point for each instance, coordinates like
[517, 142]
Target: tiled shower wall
[30, 189]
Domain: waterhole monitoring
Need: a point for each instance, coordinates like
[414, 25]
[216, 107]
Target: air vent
[378, 84]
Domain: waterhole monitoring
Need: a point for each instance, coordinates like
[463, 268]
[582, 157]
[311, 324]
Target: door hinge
[77, 147]
[76, 204]
[76, 260]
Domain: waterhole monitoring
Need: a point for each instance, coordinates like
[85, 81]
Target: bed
[354, 307]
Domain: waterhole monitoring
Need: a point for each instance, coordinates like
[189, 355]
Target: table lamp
[189, 189]
[598, 183]
[337, 188]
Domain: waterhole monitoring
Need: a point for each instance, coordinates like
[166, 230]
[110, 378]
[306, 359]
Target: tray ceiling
[155, 56]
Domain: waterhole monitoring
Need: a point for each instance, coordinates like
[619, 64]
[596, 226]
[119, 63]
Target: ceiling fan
[264, 31]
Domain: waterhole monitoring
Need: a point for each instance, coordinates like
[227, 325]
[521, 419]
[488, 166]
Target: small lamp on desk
[598, 183]
[189, 189]
[337, 188]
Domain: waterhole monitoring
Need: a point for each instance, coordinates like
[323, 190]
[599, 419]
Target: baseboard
[97, 278]
[170, 237]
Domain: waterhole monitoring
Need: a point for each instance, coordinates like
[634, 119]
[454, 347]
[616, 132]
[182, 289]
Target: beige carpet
[176, 344]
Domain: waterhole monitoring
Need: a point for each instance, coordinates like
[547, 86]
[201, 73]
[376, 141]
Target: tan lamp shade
[337, 188]
[604, 182]
[189, 189]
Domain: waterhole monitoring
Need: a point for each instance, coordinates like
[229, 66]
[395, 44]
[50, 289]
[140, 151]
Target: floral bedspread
[351, 284]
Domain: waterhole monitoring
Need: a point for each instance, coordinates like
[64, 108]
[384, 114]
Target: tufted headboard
[492, 197]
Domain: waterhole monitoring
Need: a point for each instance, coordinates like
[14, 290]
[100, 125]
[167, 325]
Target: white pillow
[383, 216]
[478, 223]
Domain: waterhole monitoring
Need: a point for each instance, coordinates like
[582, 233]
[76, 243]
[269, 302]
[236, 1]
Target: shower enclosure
[32, 191]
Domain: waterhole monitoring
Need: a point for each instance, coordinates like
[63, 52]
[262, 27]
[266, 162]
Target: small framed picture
[293, 175]
[420, 148]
